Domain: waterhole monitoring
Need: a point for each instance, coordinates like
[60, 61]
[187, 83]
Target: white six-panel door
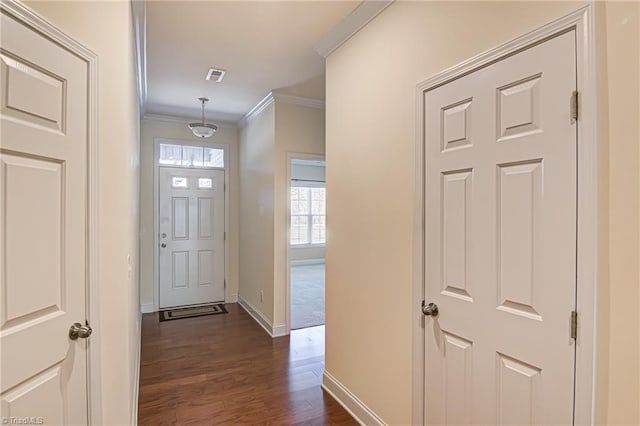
[500, 220]
[43, 227]
[191, 236]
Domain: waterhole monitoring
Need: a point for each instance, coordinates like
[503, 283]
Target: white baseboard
[274, 330]
[136, 377]
[358, 410]
[279, 330]
[233, 298]
[302, 262]
[147, 308]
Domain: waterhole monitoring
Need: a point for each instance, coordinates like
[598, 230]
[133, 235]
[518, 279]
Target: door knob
[163, 245]
[78, 330]
[430, 309]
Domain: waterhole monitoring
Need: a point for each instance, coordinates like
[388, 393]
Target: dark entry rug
[194, 311]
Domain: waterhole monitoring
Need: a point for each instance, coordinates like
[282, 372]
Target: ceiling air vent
[215, 74]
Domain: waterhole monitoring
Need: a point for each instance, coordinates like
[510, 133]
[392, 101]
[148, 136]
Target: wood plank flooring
[225, 369]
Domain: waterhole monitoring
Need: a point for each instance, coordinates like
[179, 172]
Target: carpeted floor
[307, 296]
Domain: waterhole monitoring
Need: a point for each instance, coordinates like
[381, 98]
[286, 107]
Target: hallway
[224, 369]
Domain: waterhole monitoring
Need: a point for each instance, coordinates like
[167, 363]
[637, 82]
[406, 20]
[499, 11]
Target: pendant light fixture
[203, 130]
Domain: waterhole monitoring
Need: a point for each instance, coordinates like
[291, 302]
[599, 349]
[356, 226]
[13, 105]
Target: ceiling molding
[256, 110]
[185, 120]
[298, 100]
[350, 25]
[279, 97]
[139, 12]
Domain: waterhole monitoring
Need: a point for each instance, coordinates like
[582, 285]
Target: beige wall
[265, 141]
[371, 83]
[149, 130]
[299, 130]
[618, 371]
[106, 28]
[257, 174]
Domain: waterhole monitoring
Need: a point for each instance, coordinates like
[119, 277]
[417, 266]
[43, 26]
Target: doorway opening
[306, 243]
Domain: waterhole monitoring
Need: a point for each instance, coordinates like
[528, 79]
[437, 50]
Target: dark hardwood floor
[225, 369]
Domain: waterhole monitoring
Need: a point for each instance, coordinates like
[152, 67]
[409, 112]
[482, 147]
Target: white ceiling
[263, 46]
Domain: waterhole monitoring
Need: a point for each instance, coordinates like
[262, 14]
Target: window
[191, 156]
[179, 182]
[308, 220]
[205, 183]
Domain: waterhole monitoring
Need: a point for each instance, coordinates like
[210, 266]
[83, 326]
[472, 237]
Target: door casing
[583, 21]
[29, 18]
[156, 212]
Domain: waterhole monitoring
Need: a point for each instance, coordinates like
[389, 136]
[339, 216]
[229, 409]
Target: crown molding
[298, 100]
[139, 13]
[256, 110]
[185, 120]
[279, 97]
[349, 26]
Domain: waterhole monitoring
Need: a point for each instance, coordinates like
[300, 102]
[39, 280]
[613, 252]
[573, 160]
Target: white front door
[191, 236]
[43, 222]
[501, 241]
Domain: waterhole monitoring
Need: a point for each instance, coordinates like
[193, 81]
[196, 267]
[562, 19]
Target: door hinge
[225, 236]
[574, 325]
[575, 109]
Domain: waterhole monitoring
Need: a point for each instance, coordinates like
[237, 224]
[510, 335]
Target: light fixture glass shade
[203, 130]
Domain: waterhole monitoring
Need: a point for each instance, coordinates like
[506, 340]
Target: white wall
[176, 129]
[371, 82]
[106, 28]
[257, 153]
[306, 253]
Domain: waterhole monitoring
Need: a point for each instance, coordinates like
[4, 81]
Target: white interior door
[43, 208]
[501, 241]
[191, 236]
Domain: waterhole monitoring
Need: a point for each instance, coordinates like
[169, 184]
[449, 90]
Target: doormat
[195, 311]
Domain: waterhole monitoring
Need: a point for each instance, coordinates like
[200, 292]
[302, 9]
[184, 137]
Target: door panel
[501, 241]
[43, 207]
[519, 199]
[180, 218]
[205, 260]
[205, 218]
[456, 190]
[192, 228]
[32, 187]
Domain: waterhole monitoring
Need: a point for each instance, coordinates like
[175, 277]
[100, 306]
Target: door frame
[287, 257]
[156, 209]
[583, 22]
[30, 18]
